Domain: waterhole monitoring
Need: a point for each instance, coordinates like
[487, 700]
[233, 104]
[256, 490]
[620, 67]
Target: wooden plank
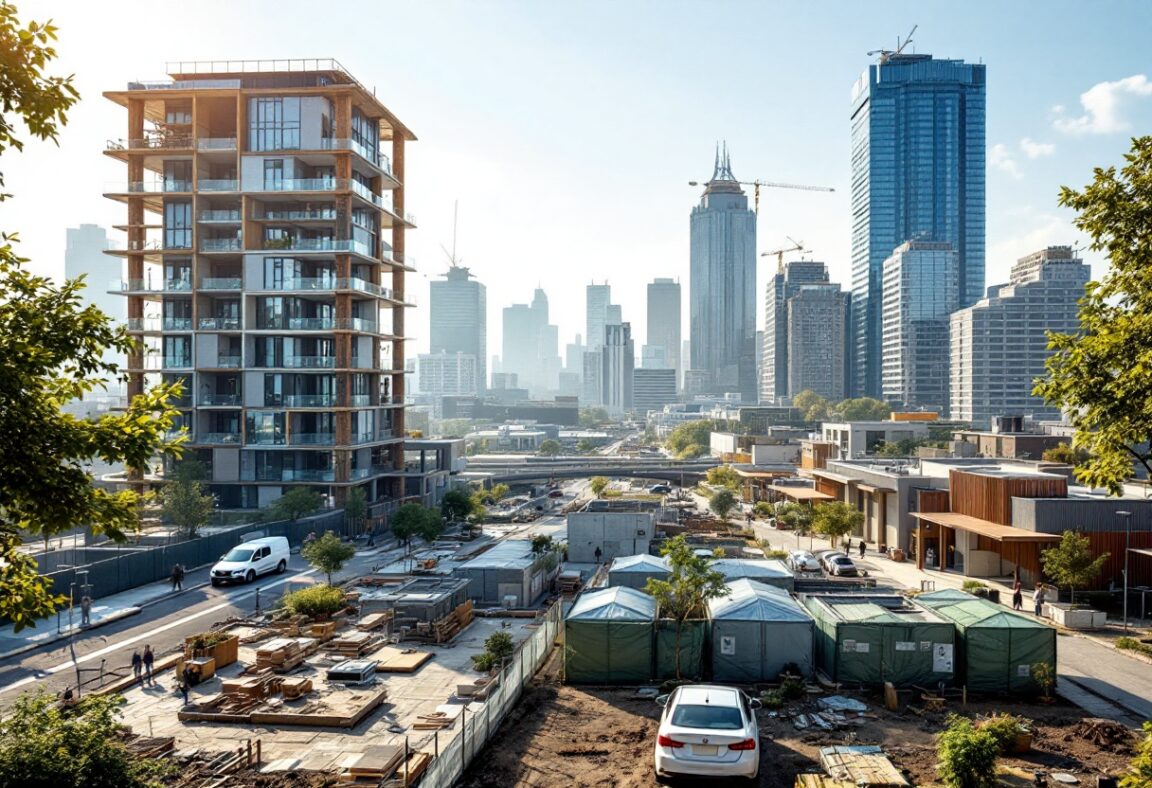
[394, 660]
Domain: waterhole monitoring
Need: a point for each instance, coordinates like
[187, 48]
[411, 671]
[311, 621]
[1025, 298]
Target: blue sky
[568, 131]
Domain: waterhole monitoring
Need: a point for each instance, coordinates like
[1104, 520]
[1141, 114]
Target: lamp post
[1127, 542]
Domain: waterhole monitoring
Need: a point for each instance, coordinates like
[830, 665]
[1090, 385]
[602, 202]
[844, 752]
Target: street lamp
[1127, 542]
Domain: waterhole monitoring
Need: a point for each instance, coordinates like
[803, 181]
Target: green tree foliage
[184, 503]
[796, 517]
[296, 503]
[1139, 772]
[725, 476]
[549, 448]
[862, 409]
[1099, 374]
[1071, 563]
[722, 502]
[591, 417]
[45, 746]
[315, 601]
[412, 519]
[541, 543]
[763, 509]
[1065, 453]
[690, 584]
[498, 649]
[812, 406]
[690, 439]
[967, 755]
[584, 445]
[328, 554]
[835, 520]
[456, 504]
[598, 484]
[901, 448]
[355, 508]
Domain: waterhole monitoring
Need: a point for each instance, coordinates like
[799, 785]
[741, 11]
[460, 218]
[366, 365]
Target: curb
[1139, 715]
[111, 618]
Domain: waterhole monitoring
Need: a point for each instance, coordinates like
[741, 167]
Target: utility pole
[1127, 544]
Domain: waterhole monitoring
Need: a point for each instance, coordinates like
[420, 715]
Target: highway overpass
[496, 469]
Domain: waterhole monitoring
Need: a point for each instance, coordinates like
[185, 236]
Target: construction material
[1105, 734]
[203, 668]
[568, 583]
[223, 649]
[394, 660]
[377, 762]
[323, 630]
[353, 644]
[293, 688]
[338, 709]
[374, 621]
[353, 671]
[281, 655]
[820, 781]
[861, 766]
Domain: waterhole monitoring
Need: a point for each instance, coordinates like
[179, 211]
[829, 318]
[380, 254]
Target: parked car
[826, 555]
[245, 562]
[802, 561]
[842, 566]
[660, 489]
[556, 494]
[708, 730]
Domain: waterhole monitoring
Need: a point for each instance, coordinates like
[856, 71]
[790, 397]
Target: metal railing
[363, 286]
[211, 400]
[304, 401]
[302, 185]
[159, 324]
[219, 324]
[301, 283]
[316, 214]
[220, 283]
[218, 185]
[228, 362]
[151, 143]
[150, 286]
[148, 187]
[223, 215]
[356, 324]
[216, 143]
[221, 244]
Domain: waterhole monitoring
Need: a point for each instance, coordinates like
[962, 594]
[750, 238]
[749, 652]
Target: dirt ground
[577, 736]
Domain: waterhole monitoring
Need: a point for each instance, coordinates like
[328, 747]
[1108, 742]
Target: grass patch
[1132, 644]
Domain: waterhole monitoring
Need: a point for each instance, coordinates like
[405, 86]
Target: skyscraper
[664, 321]
[816, 328]
[458, 319]
[84, 255]
[531, 344]
[597, 299]
[917, 174]
[722, 298]
[619, 363]
[784, 284]
[1000, 343]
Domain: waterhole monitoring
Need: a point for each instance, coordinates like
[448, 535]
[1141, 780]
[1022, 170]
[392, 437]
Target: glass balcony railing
[225, 216]
[360, 400]
[216, 143]
[311, 439]
[266, 439]
[309, 362]
[317, 245]
[228, 362]
[363, 191]
[174, 142]
[307, 475]
[159, 324]
[356, 324]
[218, 184]
[316, 214]
[362, 437]
[363, 286]
[221, 244]
[218, 437]
[219, 324]
[303, 401]
[220, 400]
[303, 185]
[302, 283]
[151, 285]
[220, 283]
[148, 187]
[156, 361]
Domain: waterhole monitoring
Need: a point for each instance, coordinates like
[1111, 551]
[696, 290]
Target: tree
[412, 519]
[432, 526]
[967, 755]
[549, 447]
[835, 520]
[894, 449]
[183, 500]
[812, 406]
[1099, 374]
[296, 503]
[690, 435]
[797, 517]
[591, 417]
[51, 352]
[724, 476]
[584, 445]
[43, 745]
[598, 485]
[1063, 452]
[457, 504]
[328, 554]
[690, 584]
[862, 409]
[355, 508]
[1139, 772]
[1071, 563]
[541, 543]
[722, 502]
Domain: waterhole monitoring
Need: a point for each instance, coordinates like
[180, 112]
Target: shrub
[497, 648]
[780, 554]
[1044, 675]
[315, 601]
[1005, 728]
[1132, 644]
[793, 689]
[1139, 774]
[967, 755]
[772, 699]
[208, 639]
[976, 588]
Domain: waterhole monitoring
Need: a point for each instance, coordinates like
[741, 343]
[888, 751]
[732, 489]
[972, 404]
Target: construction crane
[770, 185]
[885, 54]
[798, 246]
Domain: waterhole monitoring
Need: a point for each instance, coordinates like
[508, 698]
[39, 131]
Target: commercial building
[597, 299]
[722, 297]
[439, 375]
[853, 439]
[999, 344]
[652, 389]
[920, 293]
[84, 255]
[619, 365]
[784, 284]
[266, 269]
[614, 533]
[918, 171]
[458, 319]
[509, 573]
[663, 325]
[817, 322]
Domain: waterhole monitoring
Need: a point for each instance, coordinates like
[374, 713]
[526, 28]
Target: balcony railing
[150, 286]
[316, 214]
[154, 361]
[219, 185]
[298, 324]
[303, 185]
[216, 143]
[311, 439]
[266, 439]
[302, 401]
[367, 194]
[356, 324]
[228, 362]
[360, 400]
[220, 283]
[221, 245]
[219, 324]
[227, 216]
[317, 245]
[148, 187]
[159, 324]
[220, 400]
[175, 142]
[307, 475]
[309, 362]
[218, 437]
[363, 286]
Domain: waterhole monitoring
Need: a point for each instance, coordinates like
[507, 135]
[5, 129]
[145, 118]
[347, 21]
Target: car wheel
[215, 583]
[280, 567]
[663, 779]
[250, 577]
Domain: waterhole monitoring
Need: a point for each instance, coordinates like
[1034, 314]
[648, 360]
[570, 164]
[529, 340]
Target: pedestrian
[186, 681]
[863, 547]
[930, 557]
[137, 663]
[177, 578]
[310, 538]
[85, 610]
[1039, 598]
[371, 536]
[849, 545]
[148, 659]
[599, 553]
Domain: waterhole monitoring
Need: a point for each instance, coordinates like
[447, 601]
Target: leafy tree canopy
[1072, 563]
[862, 409]
[690, 584]
[356, 505]
[724, 476]
[457, 504]
[184, 502]
[549, 447]
[328, 554]
[836, 519]
[722, 502]
[296, 503]
[812, 406]
[1065, 453]
[690, 434]
[598, 484]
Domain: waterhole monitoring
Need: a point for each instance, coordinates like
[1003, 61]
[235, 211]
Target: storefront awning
[1001, 533]
[801, 493]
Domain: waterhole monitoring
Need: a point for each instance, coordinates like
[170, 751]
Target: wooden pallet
[352, 645]
[374, 621]
[862, 766]
[376, 762]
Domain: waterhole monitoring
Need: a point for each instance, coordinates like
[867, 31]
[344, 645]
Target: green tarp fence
[608, 637]
[692, 637]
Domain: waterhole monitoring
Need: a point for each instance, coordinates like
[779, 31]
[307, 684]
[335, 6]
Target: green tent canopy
[608, 637]
[633, 571]
[998, 647]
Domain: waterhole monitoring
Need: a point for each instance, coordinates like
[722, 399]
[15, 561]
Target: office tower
[593, 383]
[920, 294]
[917, 174]
[265, 269]
[654, 357]
[458, 318]
[84, 255]
[597, 299]
[1000, 343]
[618, 364]
[722, 300]
[652, 389]
[816, 327]
[613, 315]
[664, 320]
[784, 284]
[439, 375]
[574, 356]
[531, 345]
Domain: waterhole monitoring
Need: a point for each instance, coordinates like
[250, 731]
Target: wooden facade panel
[932, 500]
[829, 487]
[990, 497]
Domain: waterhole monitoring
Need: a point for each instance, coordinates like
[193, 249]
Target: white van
[245, 562]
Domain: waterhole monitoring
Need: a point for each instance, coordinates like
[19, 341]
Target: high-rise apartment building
[618, 364]
[664, 321]
[722, 297]
[597, 300]
[1000, 343]
[920, 294]
[266, 271]
[531, 345]
[458, 318]
[652, 389]
[816, 327]
[784, 284]
[918, 166]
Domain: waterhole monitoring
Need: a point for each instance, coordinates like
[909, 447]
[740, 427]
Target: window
[366, 133]
[273, 174]
[178, 225]
[177, 176]
[274, 123]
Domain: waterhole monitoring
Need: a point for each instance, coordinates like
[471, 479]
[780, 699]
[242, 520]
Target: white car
[245, 562]
[802, 561]
[708, 730]
[826, 557]
[842, 566]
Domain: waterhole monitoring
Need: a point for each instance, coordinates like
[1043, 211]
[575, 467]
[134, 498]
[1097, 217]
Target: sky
[567, 132]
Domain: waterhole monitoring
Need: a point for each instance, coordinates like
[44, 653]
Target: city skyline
[1041, 134]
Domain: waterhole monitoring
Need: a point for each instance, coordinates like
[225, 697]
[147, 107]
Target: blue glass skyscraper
[917, 175]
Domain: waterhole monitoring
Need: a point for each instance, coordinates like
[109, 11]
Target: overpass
[510, 469]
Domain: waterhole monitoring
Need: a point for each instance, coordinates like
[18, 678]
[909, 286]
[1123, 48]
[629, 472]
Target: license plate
[704, 749]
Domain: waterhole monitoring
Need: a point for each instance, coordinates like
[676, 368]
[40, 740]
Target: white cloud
[1000, 158]
[1103, 106]
[1034, 150]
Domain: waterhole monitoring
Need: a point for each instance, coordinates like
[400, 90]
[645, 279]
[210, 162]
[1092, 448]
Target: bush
[779, 554]
[315, 601]
[1139, 774]
[772, 699]
[1005, 728]
[1132, 644]
[208, 639]
[793, 689]
[967, 755]
[976, 588]
[497, 649]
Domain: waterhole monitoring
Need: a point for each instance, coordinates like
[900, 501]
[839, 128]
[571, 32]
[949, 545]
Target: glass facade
[918, 168]
[274, 123]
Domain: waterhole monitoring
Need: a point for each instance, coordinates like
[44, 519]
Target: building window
[178, 225]
[273, 175]
[274, 123]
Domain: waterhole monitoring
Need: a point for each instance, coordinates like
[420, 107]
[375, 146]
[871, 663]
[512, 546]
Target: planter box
[1021, 744]
[224, 653]
[1085, 618]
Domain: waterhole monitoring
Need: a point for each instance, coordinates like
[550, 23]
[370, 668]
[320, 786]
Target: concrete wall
[775, 453]
[615, 533]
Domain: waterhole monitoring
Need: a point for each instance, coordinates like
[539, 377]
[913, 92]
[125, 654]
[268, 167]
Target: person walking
[148, 659]
[599, 553]
[1039, 598]
[186, 682]
[137, 664]
[930, 557]
[1017, 595]
[863, 547]
[85, 610]
[177, 578]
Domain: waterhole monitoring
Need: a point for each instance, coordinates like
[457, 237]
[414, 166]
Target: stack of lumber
[375, 620]
[448, 627]
[352, 644]
[394, 660]
[376, 763]
[281, 655]
[410, 773]
[568, 583]
[861, 766]
[148, 747]
[323, 630]
[255, 687]
[292, 688]
[444, 717]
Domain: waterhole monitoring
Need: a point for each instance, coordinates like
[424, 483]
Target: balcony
[303, 185]
[219, 324]
[220, 217]
[220, 283]
[159, 324]
[363, 191]
[298, 324]
[220, 400]
[363, 286]
[302, 283]
[148, 187]
[230, 438]
[360, 400]
[317, 245]
[311, 439]
[174, 142]
[218, 185]
[228, 362]
[221, 245]
[356, 324]
[266, 438]
[308, 362]
[307, 475]
[302, 401]
[155, 362]
[379, 159]
[314, 215]
[150, 286]
[216, 143]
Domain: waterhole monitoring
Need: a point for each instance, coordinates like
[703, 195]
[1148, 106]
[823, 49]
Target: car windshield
[713, 717]
[237, 554]
[841, 559]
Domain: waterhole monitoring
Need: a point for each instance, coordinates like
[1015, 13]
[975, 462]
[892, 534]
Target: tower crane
[769, 185]
[885, 54]
[798, 246]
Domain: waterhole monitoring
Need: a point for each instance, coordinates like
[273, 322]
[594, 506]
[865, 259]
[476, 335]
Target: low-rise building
[509, 573]
[615, 533]
[856, 439]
